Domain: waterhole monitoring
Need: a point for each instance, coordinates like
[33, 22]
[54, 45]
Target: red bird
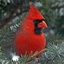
[29, 37]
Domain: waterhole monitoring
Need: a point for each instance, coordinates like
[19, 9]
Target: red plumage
[25, 39]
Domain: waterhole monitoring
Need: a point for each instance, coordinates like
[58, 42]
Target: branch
[11, 9]
[35, 55]
[5, 21]
[57, 7]
[10, 18]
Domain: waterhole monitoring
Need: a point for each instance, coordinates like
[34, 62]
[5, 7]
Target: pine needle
[35, 55]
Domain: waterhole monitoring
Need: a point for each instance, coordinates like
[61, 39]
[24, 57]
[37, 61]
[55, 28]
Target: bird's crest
[34, 14]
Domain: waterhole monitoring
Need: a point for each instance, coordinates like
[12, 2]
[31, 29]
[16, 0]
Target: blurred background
[12, 12]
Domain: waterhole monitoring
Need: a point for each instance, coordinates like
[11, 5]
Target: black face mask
[36, 29]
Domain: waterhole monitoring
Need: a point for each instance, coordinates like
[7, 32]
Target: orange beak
[42, 25]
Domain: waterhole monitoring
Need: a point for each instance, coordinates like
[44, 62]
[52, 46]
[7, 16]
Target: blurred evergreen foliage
[60, 25]
[12, 13]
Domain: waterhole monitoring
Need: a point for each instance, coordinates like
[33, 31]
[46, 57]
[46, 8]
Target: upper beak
[42, 25]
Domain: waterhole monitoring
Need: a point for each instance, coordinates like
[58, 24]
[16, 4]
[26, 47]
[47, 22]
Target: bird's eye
[43, 19]
[38, 21]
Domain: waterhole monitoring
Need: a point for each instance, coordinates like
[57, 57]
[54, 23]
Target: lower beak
[42, 25]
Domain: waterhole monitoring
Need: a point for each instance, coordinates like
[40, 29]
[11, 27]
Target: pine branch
[35, 55]
[9, 19]
[56, 7]
[11, 11]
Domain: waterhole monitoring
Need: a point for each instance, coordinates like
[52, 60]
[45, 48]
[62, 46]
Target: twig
[35, 55]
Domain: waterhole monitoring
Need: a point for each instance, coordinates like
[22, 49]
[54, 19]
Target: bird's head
[34, 20]
[37, 18]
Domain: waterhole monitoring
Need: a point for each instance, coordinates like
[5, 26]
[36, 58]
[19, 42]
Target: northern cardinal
[29, 37]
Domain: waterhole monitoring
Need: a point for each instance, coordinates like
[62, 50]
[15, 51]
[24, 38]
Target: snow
[15, 58]
[38, 4]
[61, 12]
